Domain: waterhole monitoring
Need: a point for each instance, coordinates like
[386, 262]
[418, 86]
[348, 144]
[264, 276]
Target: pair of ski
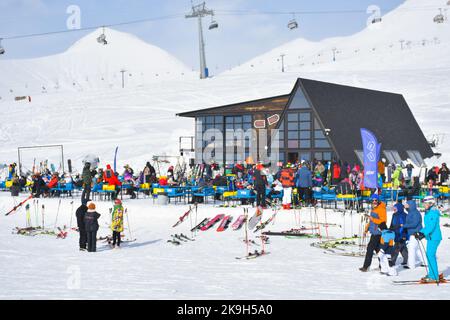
[411, 282]
[177, 239]
[254, 255]
[265, 223]
[109, 239]
[207, 224]
[290, 233]
[185, 215]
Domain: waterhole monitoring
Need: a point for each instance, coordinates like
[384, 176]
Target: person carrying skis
[377, 216]
[397, 222]
[432, 232]
[413, 224]
[387, 244]
[80, 213]
[91, 224]
[117, 222]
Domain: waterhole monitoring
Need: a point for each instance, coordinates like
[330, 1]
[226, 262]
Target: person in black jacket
[91, 224]
[444, 172]
[39, 186]
[259, 184]
[80, 213]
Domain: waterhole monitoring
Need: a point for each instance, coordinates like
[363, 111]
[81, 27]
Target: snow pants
[86, 194]
[116, 238]
[414, 253]
[83, 238]
[373, 245]
[260, 196]
[287, 195]
[400, 248]
[92, 241]
[432, 247]
[387, 267]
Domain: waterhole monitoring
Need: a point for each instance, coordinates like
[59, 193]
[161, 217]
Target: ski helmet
[117, 201]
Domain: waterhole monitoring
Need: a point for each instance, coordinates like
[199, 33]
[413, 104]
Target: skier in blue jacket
[413, 224]
[397, 222]
[432, 233]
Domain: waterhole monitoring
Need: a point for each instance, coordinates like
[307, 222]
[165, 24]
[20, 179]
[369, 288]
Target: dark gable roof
[276, 103]
[345, 110]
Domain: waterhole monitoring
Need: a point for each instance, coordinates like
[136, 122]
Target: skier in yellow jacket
[117, 222]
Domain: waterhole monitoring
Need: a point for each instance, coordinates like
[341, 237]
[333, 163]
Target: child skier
[386, 250]
[117, 222]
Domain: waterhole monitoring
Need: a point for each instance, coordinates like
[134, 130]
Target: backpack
[108, 174]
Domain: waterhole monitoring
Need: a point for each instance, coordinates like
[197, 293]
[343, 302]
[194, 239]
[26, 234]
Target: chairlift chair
[440, 17]
[213, 25]
[102, 38]
[292, 24]
[376, 20]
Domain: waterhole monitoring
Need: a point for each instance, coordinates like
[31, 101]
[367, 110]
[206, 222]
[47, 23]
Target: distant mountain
[406, 38]
[89, 64]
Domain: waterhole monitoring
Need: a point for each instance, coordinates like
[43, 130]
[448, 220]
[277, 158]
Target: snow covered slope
[379, 46]
[88, 64]
[44, 267]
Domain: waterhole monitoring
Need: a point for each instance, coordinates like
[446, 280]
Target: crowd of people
[403, 237]
[296, 181]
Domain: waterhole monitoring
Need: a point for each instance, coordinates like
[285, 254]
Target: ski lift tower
[199, 11]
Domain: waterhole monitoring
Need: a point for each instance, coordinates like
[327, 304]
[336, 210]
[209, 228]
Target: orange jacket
[287, 178]
[379, 211]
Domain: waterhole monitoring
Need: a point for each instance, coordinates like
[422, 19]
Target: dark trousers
[304, 194]
[83, 238]
[399, 248]
[86, 194]
[116, 238]
[373, 245]
[260, 196]
[92, 241]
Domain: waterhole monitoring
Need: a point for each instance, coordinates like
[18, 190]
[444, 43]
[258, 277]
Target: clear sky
[238, 38]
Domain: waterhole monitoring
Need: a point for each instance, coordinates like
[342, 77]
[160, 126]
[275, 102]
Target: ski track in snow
[41, 267]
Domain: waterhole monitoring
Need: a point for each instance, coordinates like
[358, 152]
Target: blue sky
[238, 39]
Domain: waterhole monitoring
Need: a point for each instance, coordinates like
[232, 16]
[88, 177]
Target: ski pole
[246, 226]
[36, 211]
[429, 264]
[128, 222]
[57, 213]
[71, 215]
[42, 212]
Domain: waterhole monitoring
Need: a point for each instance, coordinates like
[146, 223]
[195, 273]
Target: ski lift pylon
[2, 50]
[292, 24]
